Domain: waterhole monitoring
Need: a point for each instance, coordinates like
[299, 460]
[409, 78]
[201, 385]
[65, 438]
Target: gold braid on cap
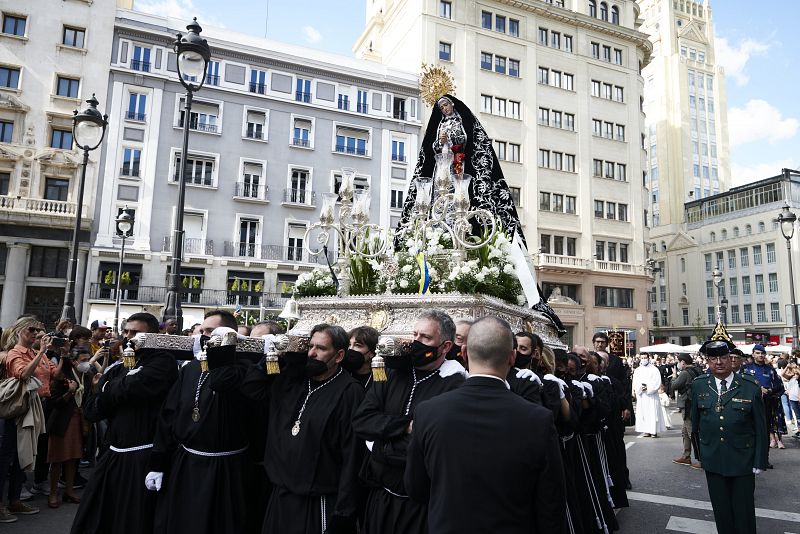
[720, 333]
[434, 83]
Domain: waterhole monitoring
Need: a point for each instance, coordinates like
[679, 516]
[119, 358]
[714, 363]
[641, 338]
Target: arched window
[762, 227]
[735, 231]
[614, 15]
[593, 8]
[663, 246]
[724, 234]
[604, 11]
[748, 230]
[683, 268]
[713, 236]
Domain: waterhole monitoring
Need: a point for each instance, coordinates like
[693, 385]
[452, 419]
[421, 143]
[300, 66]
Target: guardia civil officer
[731, 431]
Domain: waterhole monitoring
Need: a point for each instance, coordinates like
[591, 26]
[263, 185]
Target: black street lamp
[787, 219]
[124, 221]
[193, 56]
[88, 130]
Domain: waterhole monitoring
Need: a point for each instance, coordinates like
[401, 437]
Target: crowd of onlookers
[62, 364]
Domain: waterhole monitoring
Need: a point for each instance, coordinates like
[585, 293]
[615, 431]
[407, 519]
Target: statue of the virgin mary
[452, 126]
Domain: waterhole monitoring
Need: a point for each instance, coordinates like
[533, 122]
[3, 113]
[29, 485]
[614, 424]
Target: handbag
[14, 398]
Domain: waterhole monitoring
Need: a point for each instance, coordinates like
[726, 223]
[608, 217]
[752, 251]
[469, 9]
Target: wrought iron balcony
[199, 126]
[399, 157]
[143, 66]
[241, 249]
[134, 116]
[211, 79]
[251, 191]
[299, 141]
[301, 96]
[253, 133]
[352, 150]
[299, 196]
[259, 88]
[400, 114]
[210, 298]
[191, 245]
[362, 107]
[129, 171]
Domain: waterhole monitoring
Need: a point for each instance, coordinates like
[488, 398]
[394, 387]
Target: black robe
[315, 471]
[203, 494]
[524, 387]
[115, 500]
[382, 420]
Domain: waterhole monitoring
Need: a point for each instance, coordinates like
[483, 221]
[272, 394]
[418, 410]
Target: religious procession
[417, 384]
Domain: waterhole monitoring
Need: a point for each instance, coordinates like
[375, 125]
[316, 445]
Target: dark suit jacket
[486, 460]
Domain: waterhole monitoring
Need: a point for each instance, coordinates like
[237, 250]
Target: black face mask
[315, 367]
[522, 362]
[401, 362]
[353, 360]
[422, 354]
[454, 353]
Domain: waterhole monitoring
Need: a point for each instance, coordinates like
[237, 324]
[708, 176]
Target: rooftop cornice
[641, 40]
[251, 56]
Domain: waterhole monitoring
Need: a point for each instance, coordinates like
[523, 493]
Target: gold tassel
[204, 366]
[272, 365]
[378, 369]
[203, 360]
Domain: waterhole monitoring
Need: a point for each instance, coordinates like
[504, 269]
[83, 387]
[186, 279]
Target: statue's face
[446, 108]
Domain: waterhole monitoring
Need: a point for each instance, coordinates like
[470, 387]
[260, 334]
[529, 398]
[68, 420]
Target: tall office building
[557, 85]
[271, 129]
[686, 110]
[53, 56]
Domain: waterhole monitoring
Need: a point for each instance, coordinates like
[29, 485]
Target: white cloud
[745, 174]
[181, 9]
[759, 121]
[735, 58]
[311, 34]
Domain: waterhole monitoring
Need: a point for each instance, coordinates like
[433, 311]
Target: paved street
[666, 497]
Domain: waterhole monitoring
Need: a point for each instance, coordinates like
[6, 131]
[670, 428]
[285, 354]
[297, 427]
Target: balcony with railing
[250, 191]
[128, 170]
[241, 249]
[191, 245]
[41, 212]
[199, 126]
[351, 150]
[209, 298]
[212, 79]
[559, 260]
[299, 141]
[302, 96]
[259, 88]
[254, 133]
[135, 116]
[300, 197]
[362, 107]
[617, 267]
[400, 158]
[143, 66]
[400, 114]
[343, 103]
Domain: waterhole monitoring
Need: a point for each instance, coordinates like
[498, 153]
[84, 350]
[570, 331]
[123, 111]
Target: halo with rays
[435, 82]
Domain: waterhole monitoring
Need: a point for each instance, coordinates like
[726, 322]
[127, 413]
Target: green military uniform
[731, 431]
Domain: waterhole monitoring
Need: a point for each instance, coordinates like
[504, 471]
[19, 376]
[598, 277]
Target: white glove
[153, 481]
[528, 374]
[560, 382]
[580, 385]
[133, 371]
[757, 471]
[138, 340]
[604, 377]
[592, 377]
[196, 348]
[588, 388]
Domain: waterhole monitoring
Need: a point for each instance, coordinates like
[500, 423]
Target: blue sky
[755, 44]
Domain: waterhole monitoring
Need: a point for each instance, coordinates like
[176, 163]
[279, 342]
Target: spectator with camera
[26, 361]
[100, 334]
[65, 423]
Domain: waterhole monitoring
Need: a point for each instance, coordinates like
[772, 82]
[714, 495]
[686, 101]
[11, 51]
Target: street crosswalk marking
[691, 526]
[705, 505]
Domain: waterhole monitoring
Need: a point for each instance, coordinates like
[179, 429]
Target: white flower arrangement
[315, 283]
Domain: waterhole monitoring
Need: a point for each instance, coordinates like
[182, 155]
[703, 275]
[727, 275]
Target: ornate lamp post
[716, 276]
[124, 222]
[787, 219]
[88, 130]
[193, 56]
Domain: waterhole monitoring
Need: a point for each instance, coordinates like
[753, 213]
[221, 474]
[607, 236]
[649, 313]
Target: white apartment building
[53, 56]
[557, 85]
[270, 131]
[686, 109]
[737, 233]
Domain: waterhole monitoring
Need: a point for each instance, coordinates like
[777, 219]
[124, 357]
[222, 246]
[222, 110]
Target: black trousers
[733, 501]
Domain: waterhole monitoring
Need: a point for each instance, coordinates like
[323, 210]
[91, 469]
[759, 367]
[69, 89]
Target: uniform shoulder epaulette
[749, 378]
[701, 377]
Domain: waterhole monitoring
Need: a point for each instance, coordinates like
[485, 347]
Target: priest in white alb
[646, 384]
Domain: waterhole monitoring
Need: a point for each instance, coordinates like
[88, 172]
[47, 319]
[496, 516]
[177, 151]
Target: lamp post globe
[89, 126]
[787, 219]
[125, 222]
[193, 56]
[716, 275]
[88, 130]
